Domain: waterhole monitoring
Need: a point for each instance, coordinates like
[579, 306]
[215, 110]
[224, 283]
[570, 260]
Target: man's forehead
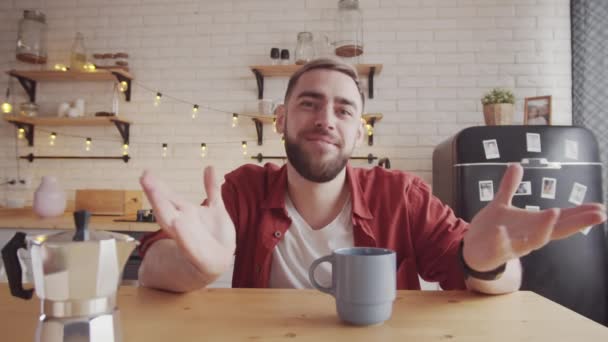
[328, 83]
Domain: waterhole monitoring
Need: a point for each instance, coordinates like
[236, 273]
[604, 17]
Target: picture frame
[537, 110]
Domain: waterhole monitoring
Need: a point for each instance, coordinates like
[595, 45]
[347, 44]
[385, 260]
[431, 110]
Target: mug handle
[311, 274]
[13, 267]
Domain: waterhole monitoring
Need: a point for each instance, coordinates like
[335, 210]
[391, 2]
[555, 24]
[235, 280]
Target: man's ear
[280, 112]
[361, 133]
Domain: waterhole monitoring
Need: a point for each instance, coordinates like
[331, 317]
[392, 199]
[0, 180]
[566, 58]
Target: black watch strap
[469, 272]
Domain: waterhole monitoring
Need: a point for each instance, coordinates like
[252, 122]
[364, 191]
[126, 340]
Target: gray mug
[364, 283]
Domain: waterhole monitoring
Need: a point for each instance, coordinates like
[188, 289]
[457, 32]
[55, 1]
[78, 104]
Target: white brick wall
[439, 57]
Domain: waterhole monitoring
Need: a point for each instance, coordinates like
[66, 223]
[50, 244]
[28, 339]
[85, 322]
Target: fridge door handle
[539, 163]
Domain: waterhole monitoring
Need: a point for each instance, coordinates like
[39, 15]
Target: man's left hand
[501, 232]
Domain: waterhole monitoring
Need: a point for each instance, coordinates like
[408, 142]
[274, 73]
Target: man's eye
[344, 112]
[306, 104]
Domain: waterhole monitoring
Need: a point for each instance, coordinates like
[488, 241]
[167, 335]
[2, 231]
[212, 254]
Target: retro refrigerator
[561, 169]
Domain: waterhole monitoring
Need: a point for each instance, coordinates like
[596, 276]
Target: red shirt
[391, 209]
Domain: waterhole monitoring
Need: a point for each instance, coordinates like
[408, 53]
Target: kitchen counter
[25, 218]
[308, 315]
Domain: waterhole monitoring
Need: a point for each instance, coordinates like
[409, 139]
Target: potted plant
[498, 107]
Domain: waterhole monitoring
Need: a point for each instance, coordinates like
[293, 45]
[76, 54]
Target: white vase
[49, 199]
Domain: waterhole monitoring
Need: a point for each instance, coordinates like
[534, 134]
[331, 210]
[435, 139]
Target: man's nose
[325, 118]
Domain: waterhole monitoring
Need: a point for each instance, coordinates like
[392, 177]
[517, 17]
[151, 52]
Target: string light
[60, 67]
[203, 150]
[165, 148]
[274, 125]
[52, 138]
[244, 144]
[123, 86]
[87, 144]
[89, 67]
[235, 119]
[283, 140]
[125, 149]
[7, 108]
[21, 133]
[157, 99]
[194, 111]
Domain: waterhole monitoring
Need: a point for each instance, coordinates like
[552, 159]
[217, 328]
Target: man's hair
[325, 64]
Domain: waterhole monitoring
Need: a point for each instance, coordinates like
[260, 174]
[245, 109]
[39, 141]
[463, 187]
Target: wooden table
[25, 218]
[308, 315]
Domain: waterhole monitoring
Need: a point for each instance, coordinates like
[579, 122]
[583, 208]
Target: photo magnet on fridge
[524, 188]
[533, 208]
[490, 148]
[486, 191]
[577, 195]
[548, 188]
[571, 149]
[533, 142]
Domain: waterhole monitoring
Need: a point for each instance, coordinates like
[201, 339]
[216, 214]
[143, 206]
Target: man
[275, 221]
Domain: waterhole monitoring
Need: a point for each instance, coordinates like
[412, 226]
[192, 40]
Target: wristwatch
[469, 272]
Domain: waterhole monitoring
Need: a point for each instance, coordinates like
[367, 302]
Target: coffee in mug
[364, 283]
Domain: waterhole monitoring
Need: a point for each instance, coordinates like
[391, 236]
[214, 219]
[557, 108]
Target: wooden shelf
[56, 121]
[29, 78]
[28, 124]
[54, 75]
[262, 71]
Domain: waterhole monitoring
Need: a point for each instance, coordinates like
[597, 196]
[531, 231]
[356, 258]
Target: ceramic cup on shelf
[49, 198]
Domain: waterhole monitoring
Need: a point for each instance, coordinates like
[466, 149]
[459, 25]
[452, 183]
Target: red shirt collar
[276, 186]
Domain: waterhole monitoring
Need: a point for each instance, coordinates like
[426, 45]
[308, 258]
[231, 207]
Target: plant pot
[49, 199]
[498, 114]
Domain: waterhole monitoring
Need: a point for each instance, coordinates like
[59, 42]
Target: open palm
[501, 232]
[205, 234]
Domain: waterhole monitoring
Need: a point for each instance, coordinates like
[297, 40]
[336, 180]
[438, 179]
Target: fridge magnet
[533, 208]
[586, 230]
[486, 191]
[524, 188]
[533, 142]
[577, 195]
[548, 188]
[572, 149]
[537, 110]
[490, 148]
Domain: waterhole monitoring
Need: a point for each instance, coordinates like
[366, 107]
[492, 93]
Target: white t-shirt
[301, 245]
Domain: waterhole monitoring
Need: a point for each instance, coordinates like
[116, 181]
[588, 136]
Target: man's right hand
[204, 234]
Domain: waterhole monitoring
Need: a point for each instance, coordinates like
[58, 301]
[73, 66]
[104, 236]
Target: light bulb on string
[52, 138]
[274, 125]
[235, 119]
[7, 108]
[194, 111]
[123, 86]
[157, 99]
[283, 140]
[203, 150]
[244, 144]
[125, 149]
[60, 67]
[20, 133]
[87, 144]
[165, 149]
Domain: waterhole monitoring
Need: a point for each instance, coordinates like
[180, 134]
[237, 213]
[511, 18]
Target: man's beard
[309, 166]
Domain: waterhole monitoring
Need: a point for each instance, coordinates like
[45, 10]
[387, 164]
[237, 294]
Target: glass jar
[78, 57]
[31, 38]
[305, 51]
[349, 29]
[28, 109]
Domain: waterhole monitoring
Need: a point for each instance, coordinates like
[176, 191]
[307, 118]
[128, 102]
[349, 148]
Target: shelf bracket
[370, 82]
[370, 138]
[123, 129]
[259, 128]
[120, 77]
[28, 85]
[28, 131]
[31, 157]
[260, 79]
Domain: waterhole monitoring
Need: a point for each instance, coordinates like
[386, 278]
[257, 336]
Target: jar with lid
[31, 38]
[78, 57]
[349, 29]
[28, 109]
[305, 50]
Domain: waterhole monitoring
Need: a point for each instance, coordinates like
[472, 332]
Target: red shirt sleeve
[436, 234]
